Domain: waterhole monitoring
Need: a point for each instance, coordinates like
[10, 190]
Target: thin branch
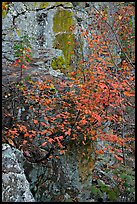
[121, 47]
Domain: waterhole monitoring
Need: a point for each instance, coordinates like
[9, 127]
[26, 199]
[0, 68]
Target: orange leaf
[68, 132]
[50, 156]
[60, 137]
[73, 138]
[78, 127]
[120, 17]
[93, 138]
[97, 152]
[50, 140]
[42, 123]
[84, 100]
[26, 134]
[105, 148]
[71, 53]
[59, 144]
[83, 143]
[118, 158]
[44, 132]
[126, 93]
[62, 151]
[35, 121]
[44, 144]
[45, 118]
[101, 151]
[25, 141]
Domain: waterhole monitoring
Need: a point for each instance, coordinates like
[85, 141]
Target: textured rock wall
[15, 187]
[54, 29]
[47, 24]
[56, 180]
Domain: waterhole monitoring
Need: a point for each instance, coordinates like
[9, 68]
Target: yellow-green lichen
[64, 38]
[44, 4]
[35, 4]
[65, 42]
[63, 19]
[58, 63]
[68, 4]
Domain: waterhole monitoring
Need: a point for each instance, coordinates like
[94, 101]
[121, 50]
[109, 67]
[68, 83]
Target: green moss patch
[63, 19]
[64, 40]
[44, 4]
[58, 63]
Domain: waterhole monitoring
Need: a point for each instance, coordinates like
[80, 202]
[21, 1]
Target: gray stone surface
[15, 187]
[36, 19]
[56, 180]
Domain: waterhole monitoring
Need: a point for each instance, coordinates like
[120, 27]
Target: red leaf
[23, 66]
[83, 122]
[118, 158]
[126, 93]
[35, 121]
[42, 123]
[50, 140]
[60, 137]
[24, 142]
[59, 144]
[44, 132]
[68, 132]
[44, 144]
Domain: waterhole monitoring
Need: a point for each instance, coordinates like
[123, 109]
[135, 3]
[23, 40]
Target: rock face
[57, 180]
[54, 29]
[15, 187]
[48, 26]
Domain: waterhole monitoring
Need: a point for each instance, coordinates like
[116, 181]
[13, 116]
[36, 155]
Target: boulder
[15, 187]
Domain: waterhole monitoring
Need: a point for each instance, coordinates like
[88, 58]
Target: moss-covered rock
[44, 4]
[65, 42]
[64, 38]
[58, 63]
[67, 4]
[63, 19]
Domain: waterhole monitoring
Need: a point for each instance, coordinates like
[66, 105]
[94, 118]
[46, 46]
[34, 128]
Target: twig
[121, 47]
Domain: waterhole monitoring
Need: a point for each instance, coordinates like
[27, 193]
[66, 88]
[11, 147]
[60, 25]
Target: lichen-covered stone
[54, 29]
[63, 22]
[63, 19]
[57, 180]
[15, 187]
[58, 63]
